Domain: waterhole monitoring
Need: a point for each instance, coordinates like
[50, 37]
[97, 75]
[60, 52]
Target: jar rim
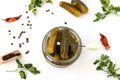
[49, 58]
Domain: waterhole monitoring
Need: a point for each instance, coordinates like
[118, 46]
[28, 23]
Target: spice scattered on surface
[12, 19]
[28, 21]
[65, 22]
[52, 13]
[20, 45]
[28, 17]
[27, 52]
[26, 12]
[30, 27]
[9, 30]
[14, 37]
[11, 43]
[30, 24]
[27, 40]
[48, 10]
[104, 41]
[23, 30]
[22, 24]
[21, 34]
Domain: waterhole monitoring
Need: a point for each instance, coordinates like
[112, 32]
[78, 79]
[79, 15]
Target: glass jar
[61, 46]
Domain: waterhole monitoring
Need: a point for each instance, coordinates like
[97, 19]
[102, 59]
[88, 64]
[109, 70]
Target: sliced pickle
[64, 48]
[52, 41]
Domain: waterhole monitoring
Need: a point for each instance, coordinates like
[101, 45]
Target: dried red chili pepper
[12, 19]
[104, 41]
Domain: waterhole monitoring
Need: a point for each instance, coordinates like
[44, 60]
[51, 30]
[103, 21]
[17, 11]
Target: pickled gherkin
[70, 8]
[80, 5]
[74, 43]
[76, 7]
[64, 44]
[52, 41]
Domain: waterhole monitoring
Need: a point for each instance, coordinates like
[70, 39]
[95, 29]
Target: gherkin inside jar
[61, 46]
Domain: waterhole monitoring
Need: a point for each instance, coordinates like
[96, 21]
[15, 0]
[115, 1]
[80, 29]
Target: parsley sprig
[106, 65]
[22, 67]
[107, 8]
[34, 4]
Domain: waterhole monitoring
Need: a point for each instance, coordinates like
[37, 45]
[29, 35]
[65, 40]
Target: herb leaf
[22, 74]
[97, 61]
[32, 69]
[106, 65]
[20, 65]
[34, 4]
[21, 69]
[107, 8]
[104, 57]
[28, 66]
[105, 3]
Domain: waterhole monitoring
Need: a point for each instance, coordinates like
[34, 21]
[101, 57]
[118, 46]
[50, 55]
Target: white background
[88, 30]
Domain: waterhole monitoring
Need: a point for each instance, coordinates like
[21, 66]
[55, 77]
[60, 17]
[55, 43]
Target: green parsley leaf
[104, 57]
[100, 16]
[34, 12]
[20, 65]
[35, 4]
[21, 69]
[107, 8]
[27, 66]
[99, 68]
[32, 69]
[97, 61]
[22, 74]
[106, 65]
[105, 3]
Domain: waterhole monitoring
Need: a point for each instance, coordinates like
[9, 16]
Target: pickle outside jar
[61, 46]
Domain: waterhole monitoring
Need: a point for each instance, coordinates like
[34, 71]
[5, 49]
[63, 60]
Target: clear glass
[70, 52]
